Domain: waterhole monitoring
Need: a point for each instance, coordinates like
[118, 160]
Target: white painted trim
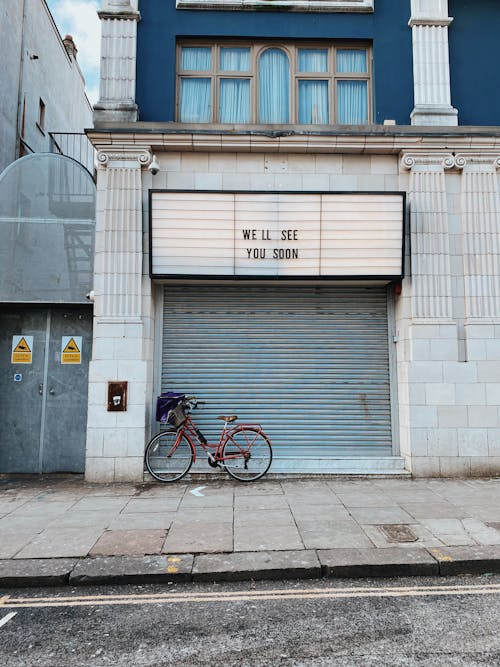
[290, 5]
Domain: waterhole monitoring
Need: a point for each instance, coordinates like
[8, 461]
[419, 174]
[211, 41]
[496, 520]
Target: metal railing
[75, 145]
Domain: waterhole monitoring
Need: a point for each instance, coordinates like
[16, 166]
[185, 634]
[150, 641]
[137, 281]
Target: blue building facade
[298, 208]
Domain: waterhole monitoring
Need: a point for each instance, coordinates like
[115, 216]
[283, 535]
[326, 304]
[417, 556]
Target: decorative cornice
[124, 156]
[378, 141]
[432, 161]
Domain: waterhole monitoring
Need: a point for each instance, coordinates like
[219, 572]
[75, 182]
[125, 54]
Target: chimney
[70, 47]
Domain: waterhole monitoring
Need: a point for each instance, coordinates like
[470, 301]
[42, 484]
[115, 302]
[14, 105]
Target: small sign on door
[71, 350]
[22, 349]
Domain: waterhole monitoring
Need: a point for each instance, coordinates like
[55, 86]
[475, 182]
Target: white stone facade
[447, 317]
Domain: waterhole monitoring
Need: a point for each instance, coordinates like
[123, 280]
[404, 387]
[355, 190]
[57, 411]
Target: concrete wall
[36, 65]
[11, 13]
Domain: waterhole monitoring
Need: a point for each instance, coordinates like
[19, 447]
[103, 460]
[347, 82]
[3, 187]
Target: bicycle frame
[193, 435]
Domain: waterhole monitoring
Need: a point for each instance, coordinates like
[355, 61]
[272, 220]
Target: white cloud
[79, 19]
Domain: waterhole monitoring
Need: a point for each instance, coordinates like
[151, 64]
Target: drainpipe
[20, 80]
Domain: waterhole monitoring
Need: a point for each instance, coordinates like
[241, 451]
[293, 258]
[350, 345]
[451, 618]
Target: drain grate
[395, 532]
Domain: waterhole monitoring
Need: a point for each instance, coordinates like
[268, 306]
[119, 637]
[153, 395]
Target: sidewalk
[57, 531]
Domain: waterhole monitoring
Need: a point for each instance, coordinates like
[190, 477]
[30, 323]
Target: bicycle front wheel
[247, 454]
[168, 456]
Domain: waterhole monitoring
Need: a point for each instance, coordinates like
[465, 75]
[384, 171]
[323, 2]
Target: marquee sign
[276, 235]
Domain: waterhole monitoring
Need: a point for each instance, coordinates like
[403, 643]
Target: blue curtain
[234, 101]
[235, 59]
[351, 60]
[274, 87]
[352, 102]
[198, 59]
[195, 100]
[313, 60]
[313, 102]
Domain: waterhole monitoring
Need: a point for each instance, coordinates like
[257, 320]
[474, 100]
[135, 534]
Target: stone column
[428, 334]
[481, 236]
[430, 245]
[122, 319]
[431, 63]
[118, 62]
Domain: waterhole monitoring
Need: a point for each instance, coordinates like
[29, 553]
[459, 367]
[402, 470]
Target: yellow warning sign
[22, 349]
[71, 350]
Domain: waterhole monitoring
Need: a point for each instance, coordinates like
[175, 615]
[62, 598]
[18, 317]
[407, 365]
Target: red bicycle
[244, 450]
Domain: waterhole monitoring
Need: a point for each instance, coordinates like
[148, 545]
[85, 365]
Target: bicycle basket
[166, 403]
[177, 416]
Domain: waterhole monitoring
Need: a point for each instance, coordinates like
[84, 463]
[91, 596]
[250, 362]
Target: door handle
[51, 391]
[40, 388]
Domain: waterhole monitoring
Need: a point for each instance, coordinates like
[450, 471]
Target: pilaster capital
[478, 161]
[120, 9]
[429, 12]
[427, 161]
[124, 156]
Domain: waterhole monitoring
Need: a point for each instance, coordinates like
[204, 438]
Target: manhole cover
[398, 533]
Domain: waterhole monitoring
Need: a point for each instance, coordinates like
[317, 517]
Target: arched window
[274, 87]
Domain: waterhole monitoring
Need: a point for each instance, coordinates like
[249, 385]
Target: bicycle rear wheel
[168, 456]
[247, 454]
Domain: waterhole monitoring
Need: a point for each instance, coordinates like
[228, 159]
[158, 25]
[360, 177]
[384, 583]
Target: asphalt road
[419, 621]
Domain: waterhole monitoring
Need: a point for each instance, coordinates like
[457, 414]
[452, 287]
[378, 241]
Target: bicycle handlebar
[192, 400]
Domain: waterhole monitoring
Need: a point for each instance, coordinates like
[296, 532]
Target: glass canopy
[47, 230]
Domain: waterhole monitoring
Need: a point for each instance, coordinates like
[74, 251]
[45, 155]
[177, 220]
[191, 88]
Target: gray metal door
[43, 404]
[309, 363]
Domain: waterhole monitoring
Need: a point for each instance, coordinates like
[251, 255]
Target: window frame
[291, 48]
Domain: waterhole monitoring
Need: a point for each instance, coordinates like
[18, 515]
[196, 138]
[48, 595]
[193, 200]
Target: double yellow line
[174, 597]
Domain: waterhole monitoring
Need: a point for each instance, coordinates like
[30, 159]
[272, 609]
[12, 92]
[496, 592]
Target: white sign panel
[277, 235]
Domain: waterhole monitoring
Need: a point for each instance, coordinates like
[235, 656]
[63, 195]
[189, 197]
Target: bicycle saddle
[229, 419]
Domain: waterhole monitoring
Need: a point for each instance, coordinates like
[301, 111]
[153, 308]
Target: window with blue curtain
[352, 95]
[274, 87]
[311, 84]
[234, 93]
[196, 92]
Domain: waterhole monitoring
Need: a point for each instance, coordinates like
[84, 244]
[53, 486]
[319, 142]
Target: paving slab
[276, 517]
[321, 512]
[105, 503]
[208, 498]
[151, 505]
[61, 543]
[250, 565]
[435, 510]
[370, 499]
[129, 543]
[380, 515]
[374, 562]
[132, 570]
[259, 488]
[83, 519]
[467, 560]
[266, 537]
[11, 543]
[199, 537]
[39, 572]
[155, 490]
[332, 534]
[262, 502]
[147, 521]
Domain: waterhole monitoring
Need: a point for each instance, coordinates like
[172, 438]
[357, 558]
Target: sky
[79, 19]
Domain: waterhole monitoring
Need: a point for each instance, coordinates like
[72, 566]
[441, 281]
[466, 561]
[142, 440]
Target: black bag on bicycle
[169, 409]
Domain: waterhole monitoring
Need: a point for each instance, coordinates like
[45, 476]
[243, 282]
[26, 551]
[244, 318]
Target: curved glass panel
[274, 87]
[47, 230]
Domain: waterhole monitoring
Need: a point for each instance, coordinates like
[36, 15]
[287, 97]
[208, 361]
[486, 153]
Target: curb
[250, 566]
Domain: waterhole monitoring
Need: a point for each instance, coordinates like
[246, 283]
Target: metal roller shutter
[310, 364]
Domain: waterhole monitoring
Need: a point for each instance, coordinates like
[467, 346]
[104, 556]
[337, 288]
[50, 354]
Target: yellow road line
[248, 596]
